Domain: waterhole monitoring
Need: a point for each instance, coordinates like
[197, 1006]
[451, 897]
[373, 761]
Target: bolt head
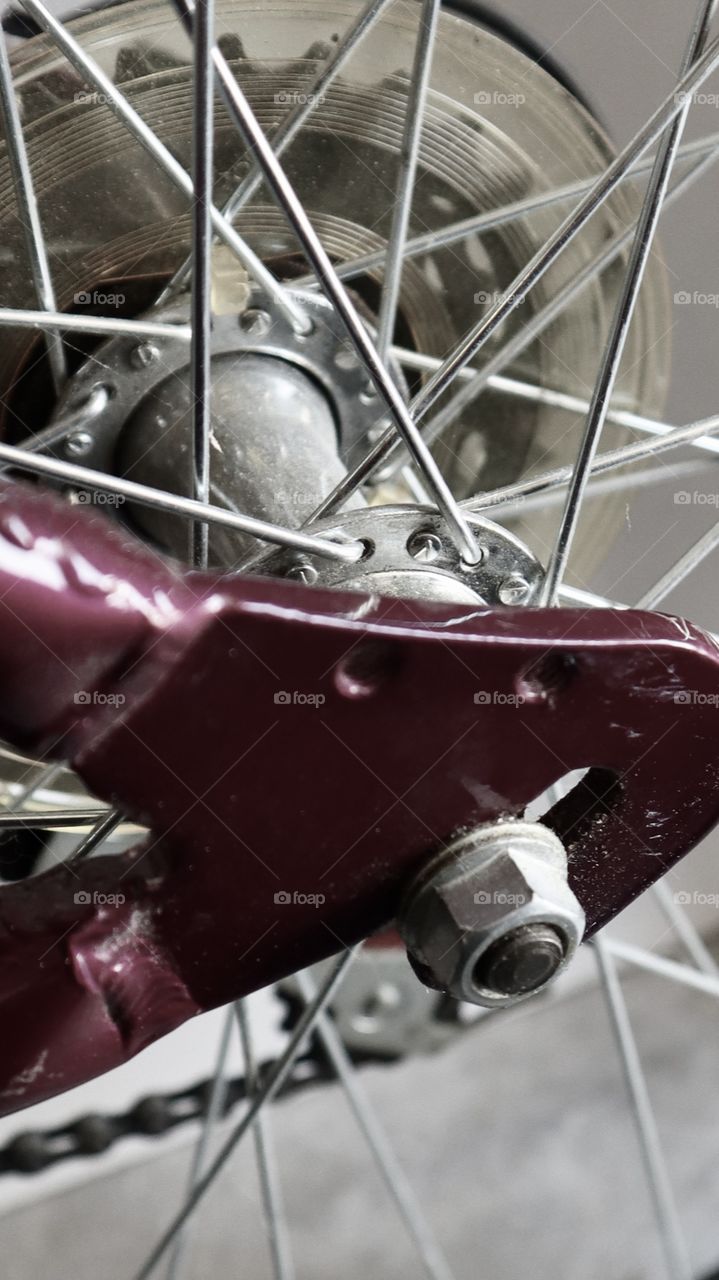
[424, 546]
[255, 322]
[514, 590]
[79, 444]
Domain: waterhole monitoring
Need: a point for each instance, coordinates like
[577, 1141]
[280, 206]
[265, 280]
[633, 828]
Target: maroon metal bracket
[297, 755]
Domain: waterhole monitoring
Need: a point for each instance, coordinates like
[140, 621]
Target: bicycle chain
[152, 1117]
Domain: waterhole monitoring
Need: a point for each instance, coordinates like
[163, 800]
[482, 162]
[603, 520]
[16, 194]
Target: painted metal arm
[296, 755]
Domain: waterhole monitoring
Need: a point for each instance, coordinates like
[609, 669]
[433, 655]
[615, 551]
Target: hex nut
[504, 881]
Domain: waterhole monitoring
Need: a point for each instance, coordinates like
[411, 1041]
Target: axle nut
[493, 920]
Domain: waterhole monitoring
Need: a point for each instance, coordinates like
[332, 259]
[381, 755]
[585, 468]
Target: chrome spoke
[103, 828]
[443, 237]
[44, 778]
[243, 117]
[543, 259]
[291, 125]
[707, 983]
[387, 444]
[622, 319]
[676, 574]
[212, 1115]
[200, 313]
[66, 424]
[85, 478]
[22, 318]
[545, 395]
[270, 1188]
[674, 1245]
[273, 1082]
[394, 1177]
[408, 158]
[143, 134]
[29, 213]
[685, 929]
[671, 438]
[51, 818]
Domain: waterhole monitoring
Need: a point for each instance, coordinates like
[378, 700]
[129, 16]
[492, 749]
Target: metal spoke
[143, 134]
[103, 828]
[707, 983]
[621, 320]
[443, 237]
[29, 213]
[270, 1188]
[22, 318]
[687, 932]
[274, 1081]
[44, 778]
[86, 478]
[394, 1178]
[543, 395]
[671, 438]
[51, 818]
[408, 158]
[243, 117]
[387, 444]
[290, 125]
[200, 313]
[212, 1115]
[75, 419]
[674, 1245]
[675, 575]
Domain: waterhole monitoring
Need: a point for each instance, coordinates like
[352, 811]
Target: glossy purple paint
[401, 725]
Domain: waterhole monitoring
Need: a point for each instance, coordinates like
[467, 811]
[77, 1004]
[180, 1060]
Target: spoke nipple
[144, 354]
[513, 590]
[79, 444]
[424, 546]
